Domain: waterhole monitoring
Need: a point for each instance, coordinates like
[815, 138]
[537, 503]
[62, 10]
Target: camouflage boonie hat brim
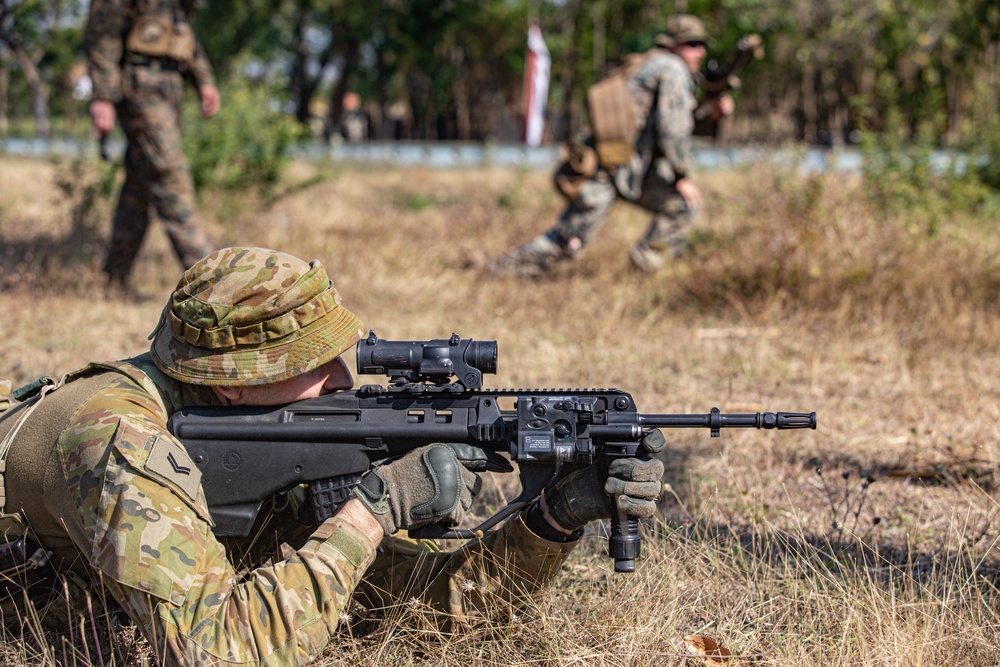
[683, 29]
[251, 316]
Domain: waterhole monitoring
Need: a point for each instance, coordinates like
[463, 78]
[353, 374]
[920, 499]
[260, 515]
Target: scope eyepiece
[433, 361]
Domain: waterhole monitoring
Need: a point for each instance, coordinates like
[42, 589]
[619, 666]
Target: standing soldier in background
[353, 120]
[139, 52]
[642, 118]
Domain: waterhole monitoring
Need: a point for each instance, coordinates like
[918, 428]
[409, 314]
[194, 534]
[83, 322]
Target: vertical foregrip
[625, 543]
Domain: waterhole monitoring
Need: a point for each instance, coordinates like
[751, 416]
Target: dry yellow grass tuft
[869, 541]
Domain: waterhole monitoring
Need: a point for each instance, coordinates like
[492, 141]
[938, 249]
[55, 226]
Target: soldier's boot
[646, 259]
[119, 288]
[649, 256]
[529, 260]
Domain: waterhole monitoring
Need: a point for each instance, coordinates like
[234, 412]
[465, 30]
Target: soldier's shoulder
[120, 389]
[659, 65]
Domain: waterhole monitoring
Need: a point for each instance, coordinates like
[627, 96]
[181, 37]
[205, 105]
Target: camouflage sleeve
[674, 115]
[104, 41]
[148, 534]
[479, 580]
[199, 70]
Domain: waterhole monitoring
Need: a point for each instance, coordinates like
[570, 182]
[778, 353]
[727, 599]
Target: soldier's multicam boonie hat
[250, 316]
[683, 29]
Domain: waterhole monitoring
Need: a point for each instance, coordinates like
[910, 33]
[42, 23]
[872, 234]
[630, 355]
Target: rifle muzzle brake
[788, 420]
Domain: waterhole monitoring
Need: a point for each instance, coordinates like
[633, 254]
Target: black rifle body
[246, 455]
[716, 79]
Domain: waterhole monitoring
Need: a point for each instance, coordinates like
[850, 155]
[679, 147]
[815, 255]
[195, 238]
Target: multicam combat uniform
[142, 72]
[663, 92]
[117, 499]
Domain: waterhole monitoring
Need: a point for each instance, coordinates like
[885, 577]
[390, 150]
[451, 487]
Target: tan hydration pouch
[613, 113]
[182, 42]
[612, 118]
[160, 35]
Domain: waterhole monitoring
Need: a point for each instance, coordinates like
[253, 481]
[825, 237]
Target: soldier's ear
[229, 395]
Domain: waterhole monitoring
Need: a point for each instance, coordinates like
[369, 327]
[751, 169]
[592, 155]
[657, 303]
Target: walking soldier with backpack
[639, 150]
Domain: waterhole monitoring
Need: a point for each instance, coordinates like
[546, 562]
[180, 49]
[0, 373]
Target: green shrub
[246, 145]
[985, 155]
[908, 179]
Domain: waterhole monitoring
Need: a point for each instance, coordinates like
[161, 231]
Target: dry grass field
[870, 541]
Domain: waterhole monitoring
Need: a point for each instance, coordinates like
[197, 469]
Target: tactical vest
[613, 113]
[36, 527]
[162, 29]
[25, 573]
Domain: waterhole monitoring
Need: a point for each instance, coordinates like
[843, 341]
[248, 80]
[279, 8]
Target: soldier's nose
[339, 377]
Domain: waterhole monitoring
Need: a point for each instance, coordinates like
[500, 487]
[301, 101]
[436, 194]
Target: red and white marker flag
[536, 86]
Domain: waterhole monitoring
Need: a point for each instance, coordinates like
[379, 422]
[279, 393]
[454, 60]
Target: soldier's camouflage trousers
[157, 176]
[583, 217]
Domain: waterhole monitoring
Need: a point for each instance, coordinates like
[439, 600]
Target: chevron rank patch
[168, 460]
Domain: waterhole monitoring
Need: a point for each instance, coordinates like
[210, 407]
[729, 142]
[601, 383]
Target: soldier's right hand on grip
[432, 484]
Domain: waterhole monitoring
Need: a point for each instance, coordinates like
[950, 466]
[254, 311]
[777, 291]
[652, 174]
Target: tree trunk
[303, 86]
[600, 39]
[568, 79]
[953, 88]
[463, 117]
[460, 94]
[39, 90]
[298, 80]
[724, 131]
[787, 128]
[809, 106]
[335, 108]
[4, 87]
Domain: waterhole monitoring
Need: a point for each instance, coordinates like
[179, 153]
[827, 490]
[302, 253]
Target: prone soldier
[639, 150]
[95, 477]
[139, 54]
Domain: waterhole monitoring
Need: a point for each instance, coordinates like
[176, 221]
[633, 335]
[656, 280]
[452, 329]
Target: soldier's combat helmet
[683, 29]
[250, 316]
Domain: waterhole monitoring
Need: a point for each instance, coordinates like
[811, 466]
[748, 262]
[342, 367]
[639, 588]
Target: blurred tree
[428, 69]
[301, 44]
[232, 31]
[459, 83]
[424, 62]
[42, 37]
[4, 88]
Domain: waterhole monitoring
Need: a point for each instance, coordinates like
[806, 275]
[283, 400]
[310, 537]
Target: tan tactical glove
[432, 484]
[583, 494]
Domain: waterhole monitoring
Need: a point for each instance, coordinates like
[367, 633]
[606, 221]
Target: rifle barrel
[716, 420]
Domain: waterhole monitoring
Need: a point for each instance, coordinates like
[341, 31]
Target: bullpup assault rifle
[435, 394]
[717, 78]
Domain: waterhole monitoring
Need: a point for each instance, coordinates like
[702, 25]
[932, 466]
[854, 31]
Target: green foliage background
[922, 72]
[246, 145]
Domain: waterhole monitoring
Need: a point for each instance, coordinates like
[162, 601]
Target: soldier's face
[692, 53]
[330, 377]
